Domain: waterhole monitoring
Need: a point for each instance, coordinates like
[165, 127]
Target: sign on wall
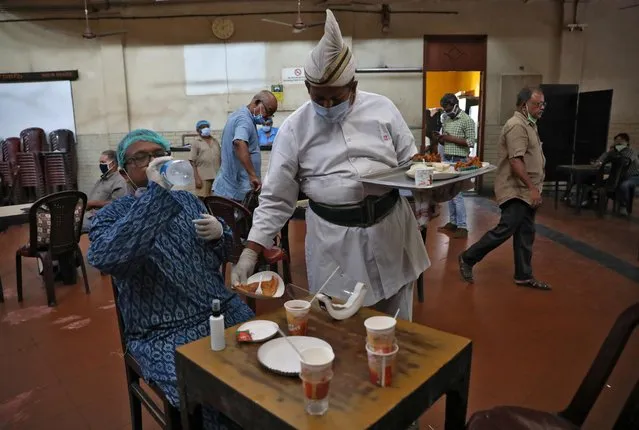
[293, 75]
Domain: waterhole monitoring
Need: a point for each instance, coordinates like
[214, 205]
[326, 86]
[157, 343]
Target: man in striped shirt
[458, 136]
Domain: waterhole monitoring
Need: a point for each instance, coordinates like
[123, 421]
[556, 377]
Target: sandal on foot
[534, 283]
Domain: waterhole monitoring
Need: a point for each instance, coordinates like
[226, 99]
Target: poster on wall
[293, 75]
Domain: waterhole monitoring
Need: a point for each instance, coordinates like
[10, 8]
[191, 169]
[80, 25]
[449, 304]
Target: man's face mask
[104, 167]
[206, 132]
[620, 147]
[266, 128]
[333, 114]
[452, 114]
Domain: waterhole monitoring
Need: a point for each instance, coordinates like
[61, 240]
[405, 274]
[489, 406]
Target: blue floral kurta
[165, 274]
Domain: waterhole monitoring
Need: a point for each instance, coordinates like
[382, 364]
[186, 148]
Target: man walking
[458, 136]
[518, 185]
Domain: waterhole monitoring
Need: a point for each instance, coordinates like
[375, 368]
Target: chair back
[33, 140]
[61, 140]
[600, 371]
[56, 172]
[119, 314]
[618, 168]
[55, 222]
[236, 216]
[10, 149]
[251, 200]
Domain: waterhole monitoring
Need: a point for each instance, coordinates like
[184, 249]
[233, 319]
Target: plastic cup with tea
[380, 333]
[316, 373]
[381, 366]
[297, 316]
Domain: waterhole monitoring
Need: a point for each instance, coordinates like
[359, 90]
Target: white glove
[244, 267]
[208, 227]
[153, 172]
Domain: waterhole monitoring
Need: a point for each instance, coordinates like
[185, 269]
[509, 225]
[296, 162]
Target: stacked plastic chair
[30, 176]
[64, 141]
[33, 140]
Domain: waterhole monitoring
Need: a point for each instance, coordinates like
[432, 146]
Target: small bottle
[177, 172]
[216, 323]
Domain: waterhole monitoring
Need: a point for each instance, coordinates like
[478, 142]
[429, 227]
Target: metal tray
[397, 178]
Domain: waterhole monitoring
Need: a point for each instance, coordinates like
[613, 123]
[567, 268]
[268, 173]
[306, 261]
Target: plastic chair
[168, 416]
[54, 233]
[573, 417]
[608, 188]
[33, 140]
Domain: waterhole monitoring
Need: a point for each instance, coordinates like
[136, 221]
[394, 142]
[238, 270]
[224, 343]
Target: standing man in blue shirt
[266, 134]
[241, 160]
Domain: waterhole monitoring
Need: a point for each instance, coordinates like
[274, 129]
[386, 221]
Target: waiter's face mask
[452, 111]
[332, 103]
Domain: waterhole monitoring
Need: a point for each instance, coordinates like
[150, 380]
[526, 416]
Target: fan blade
[272, 21]
[111, 33]
[314, 24]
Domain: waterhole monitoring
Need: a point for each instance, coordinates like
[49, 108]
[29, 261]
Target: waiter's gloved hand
[208, 227]
[153, 172]
[244, 267]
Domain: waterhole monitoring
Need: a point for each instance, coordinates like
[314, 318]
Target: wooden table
[431, 363]
[14, 215]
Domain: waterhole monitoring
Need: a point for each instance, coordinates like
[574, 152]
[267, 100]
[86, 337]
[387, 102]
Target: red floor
[61, 368]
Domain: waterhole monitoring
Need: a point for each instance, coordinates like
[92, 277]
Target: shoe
[534, 283]
[465, 270]
[461, 233]
[448, 227]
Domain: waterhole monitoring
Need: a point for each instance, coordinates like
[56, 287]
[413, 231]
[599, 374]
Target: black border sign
[60, 75]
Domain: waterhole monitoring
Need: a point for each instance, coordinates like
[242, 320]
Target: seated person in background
[164, 253]
[621, 148]
[109, 187]
[266, 133]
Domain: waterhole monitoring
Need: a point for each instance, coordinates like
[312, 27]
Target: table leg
[556, 193]
[420, 280]
[457, 403]
[191, 413]
[579, 187]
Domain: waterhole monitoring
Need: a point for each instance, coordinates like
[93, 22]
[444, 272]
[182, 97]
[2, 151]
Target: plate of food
[473, 163]
[256, 331]
[262, 285]
[426, 158]
[278, 356]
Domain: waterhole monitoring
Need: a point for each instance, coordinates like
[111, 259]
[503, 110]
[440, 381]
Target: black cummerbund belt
[366, 213]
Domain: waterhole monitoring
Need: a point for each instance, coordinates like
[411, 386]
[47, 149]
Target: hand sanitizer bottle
[216, 323]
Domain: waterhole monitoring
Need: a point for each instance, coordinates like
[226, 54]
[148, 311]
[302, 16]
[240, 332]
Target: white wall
[137, 80]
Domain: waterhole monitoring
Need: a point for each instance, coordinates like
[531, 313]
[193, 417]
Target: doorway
[465, 85]
[457, 64]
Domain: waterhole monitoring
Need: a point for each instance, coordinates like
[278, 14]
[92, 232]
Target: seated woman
[164, 253]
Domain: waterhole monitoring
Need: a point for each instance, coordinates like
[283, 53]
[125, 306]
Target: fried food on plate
[427, 158]
[472, 163]
[269, 287]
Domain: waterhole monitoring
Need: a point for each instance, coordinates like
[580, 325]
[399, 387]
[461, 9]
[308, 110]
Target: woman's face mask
[205, 132]
[333, 114]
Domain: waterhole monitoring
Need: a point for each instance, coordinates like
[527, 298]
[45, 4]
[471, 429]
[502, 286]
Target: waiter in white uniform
[322, 149]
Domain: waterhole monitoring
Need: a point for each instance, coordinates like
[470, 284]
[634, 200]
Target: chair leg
[84, 271]
[1, 292]
[49, 286]
[134, 403]
[173, 417]
[19, 275]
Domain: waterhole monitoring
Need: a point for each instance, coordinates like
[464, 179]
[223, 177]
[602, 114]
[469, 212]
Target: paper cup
[424, 176]
[381, 366]
[380, 333]
[297, 316]
[316, 374]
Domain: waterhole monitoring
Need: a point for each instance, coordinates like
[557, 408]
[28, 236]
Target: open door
[557, 126]
[593, 120]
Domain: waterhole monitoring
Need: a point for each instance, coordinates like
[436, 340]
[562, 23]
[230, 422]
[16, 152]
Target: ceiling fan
[299, 25]
[88, 33]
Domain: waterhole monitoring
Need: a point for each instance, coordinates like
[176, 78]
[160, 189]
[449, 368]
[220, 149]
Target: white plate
[278, 356]
[260, 330]
[437, 176]
[485, 164]
[258, 294]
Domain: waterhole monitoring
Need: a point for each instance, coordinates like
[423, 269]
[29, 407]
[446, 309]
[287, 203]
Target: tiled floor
[61, 368]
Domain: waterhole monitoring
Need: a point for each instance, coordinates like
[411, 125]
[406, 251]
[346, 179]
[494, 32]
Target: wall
[137, 80]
